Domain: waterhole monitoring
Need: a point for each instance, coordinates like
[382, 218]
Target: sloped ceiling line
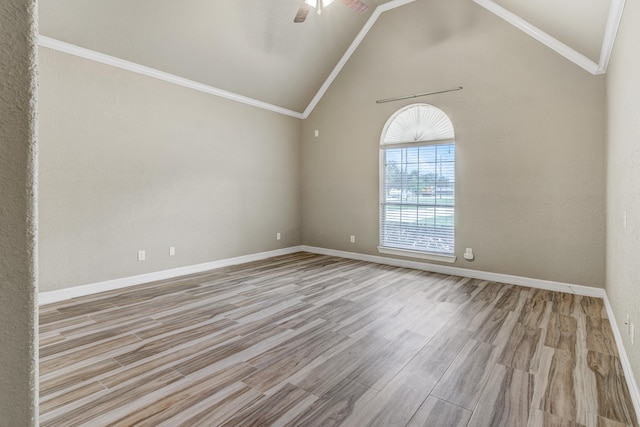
[92, 55]
[613, 22]
[352, 48]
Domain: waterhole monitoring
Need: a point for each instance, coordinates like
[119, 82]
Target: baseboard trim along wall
[78, 291]
[464, 272]
[514, 280]
[634, 391]
[109, 285]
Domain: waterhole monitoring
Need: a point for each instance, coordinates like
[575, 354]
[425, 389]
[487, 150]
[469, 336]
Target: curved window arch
[417, 184]
[417, 123]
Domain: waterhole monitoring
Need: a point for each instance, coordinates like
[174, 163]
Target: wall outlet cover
[628, 323]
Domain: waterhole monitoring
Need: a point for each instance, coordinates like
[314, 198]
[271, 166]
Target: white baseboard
[94, 288]
[464, 272]
[634, 391]
[78, 291]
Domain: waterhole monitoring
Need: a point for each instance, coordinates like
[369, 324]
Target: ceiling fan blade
[302, 13]
[356, 5]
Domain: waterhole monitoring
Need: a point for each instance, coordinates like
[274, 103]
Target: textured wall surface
[18, 222]
[530, 130]
[623, 180]
[132, 163]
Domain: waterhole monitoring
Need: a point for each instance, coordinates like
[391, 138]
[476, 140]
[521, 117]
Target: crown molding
[352, 48]
[92, 55]
[611, 31]
[613, 22]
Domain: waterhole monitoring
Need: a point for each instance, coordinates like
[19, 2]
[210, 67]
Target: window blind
[418, 197]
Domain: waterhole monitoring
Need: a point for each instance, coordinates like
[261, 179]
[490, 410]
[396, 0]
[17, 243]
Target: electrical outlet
[468, 254]
[142, 255]
[352, 239]
[628, 323]
[172, 250]
[277, 236]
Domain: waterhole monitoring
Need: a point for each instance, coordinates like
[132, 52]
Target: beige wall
[623, 179]
[18, 219]
[129, 162]
[133, 163]
[530, 129]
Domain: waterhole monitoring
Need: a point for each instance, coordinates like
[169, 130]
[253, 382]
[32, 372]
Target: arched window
[417, 184]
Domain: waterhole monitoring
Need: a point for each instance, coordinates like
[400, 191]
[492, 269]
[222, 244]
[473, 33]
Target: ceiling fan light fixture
[322, 3]
[356, 5]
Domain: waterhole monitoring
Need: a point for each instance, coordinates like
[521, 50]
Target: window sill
[416, 254]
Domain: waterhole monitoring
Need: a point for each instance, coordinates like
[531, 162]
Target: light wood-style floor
[307, 340]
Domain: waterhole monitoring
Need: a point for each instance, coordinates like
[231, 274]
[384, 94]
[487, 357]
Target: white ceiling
[249, 47]
[252, 47]
[579, 24]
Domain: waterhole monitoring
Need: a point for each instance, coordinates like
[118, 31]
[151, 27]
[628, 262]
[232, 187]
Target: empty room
[319, 213]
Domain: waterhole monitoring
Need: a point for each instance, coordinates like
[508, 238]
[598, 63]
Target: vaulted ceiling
[252, 48]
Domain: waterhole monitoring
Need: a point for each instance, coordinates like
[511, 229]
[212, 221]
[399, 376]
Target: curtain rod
[399, 98]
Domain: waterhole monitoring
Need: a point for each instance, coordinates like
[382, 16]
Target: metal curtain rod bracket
[399, 98]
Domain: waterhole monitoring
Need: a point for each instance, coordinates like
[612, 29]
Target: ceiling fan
[355, 5]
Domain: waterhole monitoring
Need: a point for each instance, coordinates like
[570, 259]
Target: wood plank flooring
[311, 340]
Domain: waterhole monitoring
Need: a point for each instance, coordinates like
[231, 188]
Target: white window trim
[386, 146]
[439, 257]
[415, 254]
[406, 252]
